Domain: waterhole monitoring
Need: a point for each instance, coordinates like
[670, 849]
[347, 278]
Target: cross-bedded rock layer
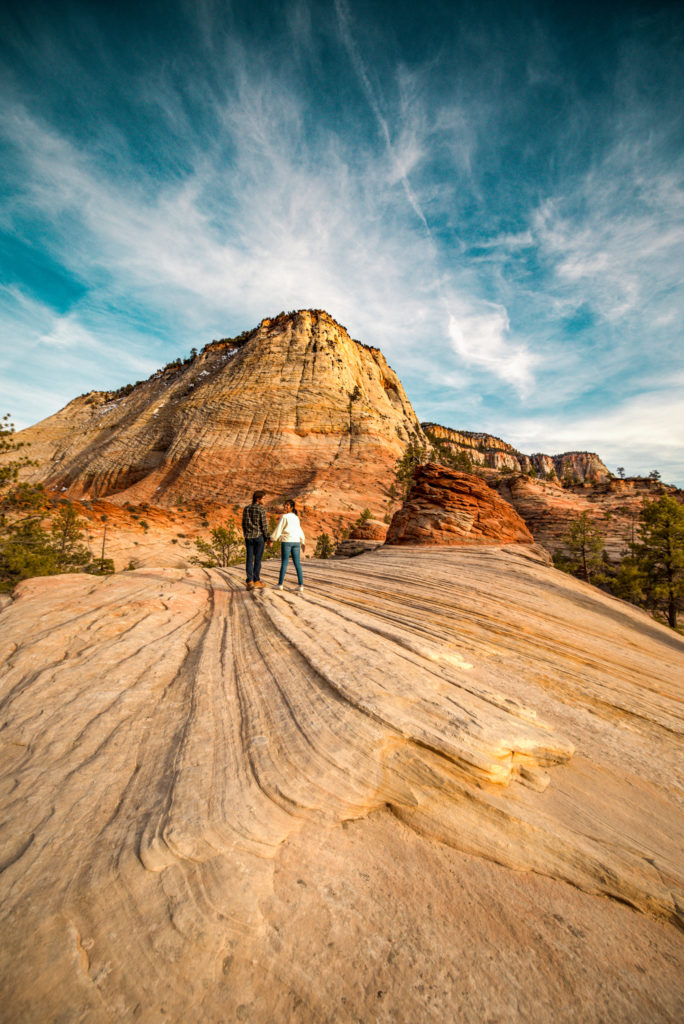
[445, 506]
[297, 408]
[181, 759]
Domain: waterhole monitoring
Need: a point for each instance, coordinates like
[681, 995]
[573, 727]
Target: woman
[289, 532]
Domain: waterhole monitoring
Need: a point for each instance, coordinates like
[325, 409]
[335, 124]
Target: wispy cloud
[480, 338]
[642, 433]
[520, 275]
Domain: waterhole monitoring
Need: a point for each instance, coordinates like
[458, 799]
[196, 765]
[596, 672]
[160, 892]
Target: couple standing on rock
[255, 531]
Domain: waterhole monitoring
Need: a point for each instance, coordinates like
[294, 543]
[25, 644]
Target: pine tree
[67, 530]
[584, 542]
[222, 549]
[324, 547]
[416, 454]
[659, 555]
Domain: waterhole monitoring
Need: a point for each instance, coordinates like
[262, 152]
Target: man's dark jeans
[255, 549]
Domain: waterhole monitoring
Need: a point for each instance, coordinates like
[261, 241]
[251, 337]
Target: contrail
[344, 19]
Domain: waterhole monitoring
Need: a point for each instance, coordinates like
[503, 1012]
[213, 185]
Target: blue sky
[492, 193]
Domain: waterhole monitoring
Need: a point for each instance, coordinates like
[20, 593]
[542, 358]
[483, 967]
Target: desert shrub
[223, 548]
[324, 547]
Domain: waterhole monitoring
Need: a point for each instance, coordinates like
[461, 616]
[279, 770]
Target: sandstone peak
[295, 405]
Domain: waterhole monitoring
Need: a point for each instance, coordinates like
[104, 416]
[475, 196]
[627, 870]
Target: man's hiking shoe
[258, 583]
[250, 585]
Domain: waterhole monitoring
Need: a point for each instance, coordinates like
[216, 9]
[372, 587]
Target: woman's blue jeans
[287, 549]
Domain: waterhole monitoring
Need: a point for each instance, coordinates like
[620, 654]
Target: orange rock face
[448, 507]
[371, 529]
[614, 508]
[297, 408]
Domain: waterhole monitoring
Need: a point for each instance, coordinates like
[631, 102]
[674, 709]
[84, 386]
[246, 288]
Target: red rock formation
[369, 529]
[548, 509]
[448, 507]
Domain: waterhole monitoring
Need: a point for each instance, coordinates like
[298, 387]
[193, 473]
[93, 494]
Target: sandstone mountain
[298, 407]
[442, 784]
[295, 406]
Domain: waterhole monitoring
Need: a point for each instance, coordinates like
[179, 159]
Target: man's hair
[257, 495]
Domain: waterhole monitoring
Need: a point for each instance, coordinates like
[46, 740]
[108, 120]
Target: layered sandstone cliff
[493, 453]
[445, 506]
[296, 407]
[549, 509]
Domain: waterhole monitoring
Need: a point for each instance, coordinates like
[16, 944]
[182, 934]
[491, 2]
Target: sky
[491, 193]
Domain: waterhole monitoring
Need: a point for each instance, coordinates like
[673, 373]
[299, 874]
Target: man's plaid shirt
[254, 522]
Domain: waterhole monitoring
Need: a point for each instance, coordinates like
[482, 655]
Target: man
[255, 531]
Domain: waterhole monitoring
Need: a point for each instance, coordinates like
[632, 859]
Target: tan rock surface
[445, 506]
[297, 407]
[402, 796]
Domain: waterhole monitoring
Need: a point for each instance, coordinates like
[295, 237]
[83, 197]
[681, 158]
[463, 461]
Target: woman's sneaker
[279, 587]
[300, 588]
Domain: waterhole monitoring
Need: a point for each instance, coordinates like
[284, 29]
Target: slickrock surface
[297, 408]
[445, 506]
[433, 787]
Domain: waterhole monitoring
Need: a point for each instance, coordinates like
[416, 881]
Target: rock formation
[549, 509]
[493, 453]
[295, 405]
[364, 536]
[435, 786]
[448, 507]
[334, 423]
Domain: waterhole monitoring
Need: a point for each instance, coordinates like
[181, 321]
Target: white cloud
[46, 358]
[479, 336]
[618, 238]
[642, 433]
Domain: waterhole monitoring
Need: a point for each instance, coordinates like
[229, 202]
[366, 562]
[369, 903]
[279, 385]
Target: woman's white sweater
[289, 529]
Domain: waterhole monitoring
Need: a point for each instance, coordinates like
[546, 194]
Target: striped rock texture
[439, 784]
[296, 407]
[445, 506]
